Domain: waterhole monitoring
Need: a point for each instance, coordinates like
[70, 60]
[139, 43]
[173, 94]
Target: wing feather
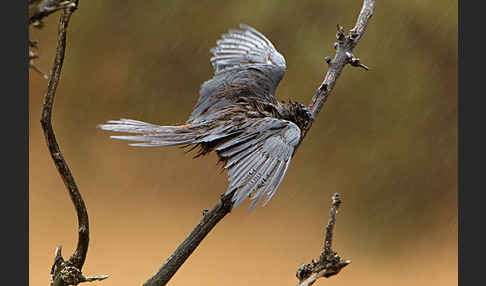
[246, 47]
[246, 64]
[266, 184]
[258, 158]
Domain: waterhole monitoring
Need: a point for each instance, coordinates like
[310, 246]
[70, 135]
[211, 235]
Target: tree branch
[329, 262]
[185, 249]
[62, 166]
[344, 55]
[65, 272]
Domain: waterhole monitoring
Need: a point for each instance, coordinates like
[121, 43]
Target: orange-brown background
[386, 140]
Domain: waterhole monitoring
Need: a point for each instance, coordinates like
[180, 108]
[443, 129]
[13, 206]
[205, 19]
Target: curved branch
[65, 272]
[79, 255]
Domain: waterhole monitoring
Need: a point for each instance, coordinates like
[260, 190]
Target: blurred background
[386, 140]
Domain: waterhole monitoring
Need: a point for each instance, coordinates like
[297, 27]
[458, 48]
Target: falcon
[236, 116]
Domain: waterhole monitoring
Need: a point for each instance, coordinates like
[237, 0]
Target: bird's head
[303, 116]
[297, 113]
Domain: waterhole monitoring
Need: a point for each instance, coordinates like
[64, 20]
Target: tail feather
[131, 126]
[151, 134]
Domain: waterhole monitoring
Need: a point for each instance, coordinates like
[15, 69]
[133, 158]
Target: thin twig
[43, 8]
[329, 263]
[33, 46]
[39, 9]
[185, 249]
[32, 56]
[65, 272]
[327, 249]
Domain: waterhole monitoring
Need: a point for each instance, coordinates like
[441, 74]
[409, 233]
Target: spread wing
[246, 65]
[258, 158]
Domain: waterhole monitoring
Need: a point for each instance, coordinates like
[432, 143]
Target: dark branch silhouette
[65, 272]
[185, 249]
[329, 262]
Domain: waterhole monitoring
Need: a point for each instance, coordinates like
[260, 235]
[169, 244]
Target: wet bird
[236, 116]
